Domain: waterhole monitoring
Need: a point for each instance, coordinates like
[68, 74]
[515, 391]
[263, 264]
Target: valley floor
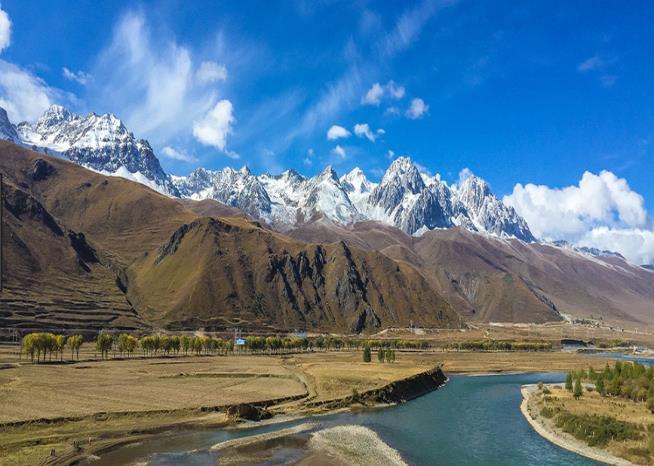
[90, 405]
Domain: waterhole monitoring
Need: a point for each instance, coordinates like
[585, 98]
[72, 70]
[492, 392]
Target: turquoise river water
[473, 420]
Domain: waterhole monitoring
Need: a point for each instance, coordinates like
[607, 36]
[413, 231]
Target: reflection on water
[472, 421]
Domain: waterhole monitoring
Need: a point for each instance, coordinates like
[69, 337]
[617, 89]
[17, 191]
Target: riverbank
[548, 430]
[94, 405]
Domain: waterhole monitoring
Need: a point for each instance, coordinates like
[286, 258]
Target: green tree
[60, 344]
[577, 390]
[367, 356]
[381, 354]
[568, 382]
[599, 385]
[103, 344]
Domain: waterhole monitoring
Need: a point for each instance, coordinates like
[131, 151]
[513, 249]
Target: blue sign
[240, 341]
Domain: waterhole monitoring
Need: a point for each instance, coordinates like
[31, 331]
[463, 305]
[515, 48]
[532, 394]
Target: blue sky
[517, 92]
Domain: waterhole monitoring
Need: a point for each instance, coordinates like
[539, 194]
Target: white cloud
[150, 81]
[417, 109]
[24, 95]
[636, 244]
[374, 95]
[80, 77]
[5, 30]
[377, 92]
[177, 154]
[339, 151]
[215, 126]
[390, 154]
[591, 64]
[601, 211]
[337, 132]
[210, 72]
[394, 91]
[362, 130]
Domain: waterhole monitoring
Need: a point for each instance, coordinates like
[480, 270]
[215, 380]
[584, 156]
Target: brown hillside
[133, 257]
[508, 281]
[214, 273]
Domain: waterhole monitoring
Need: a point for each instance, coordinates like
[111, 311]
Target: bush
[597, 430]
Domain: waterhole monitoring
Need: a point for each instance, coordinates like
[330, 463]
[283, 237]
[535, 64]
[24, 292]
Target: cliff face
[217, 273]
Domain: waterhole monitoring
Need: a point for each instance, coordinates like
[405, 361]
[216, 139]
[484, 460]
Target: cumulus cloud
[417, 109]
[362, 130]
[154, 84]
[23, 95]
[79, 77]
[378, 91]
[5, 30]
[210, 72]
[214, 127]
[337, 132]
[177, 154]
[339, 151]
[601, 211]
[636, 244]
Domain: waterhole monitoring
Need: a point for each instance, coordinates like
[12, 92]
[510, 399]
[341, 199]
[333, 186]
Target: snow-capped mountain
[405, 197]
[489, 213]
[237, 188]
[99, 142]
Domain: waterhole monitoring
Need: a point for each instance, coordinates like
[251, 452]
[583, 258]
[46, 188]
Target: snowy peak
[99, 142]
[473, 191]
[488, 213]
[356, 181]
[403, 172]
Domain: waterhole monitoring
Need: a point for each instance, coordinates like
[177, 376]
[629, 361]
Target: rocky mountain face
[509, 280]
[404, 198]
[7, 130]
[99, 142]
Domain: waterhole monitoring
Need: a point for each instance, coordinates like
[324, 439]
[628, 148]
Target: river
[473, 420]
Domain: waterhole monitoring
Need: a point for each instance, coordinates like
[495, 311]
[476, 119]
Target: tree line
[41, 345]
[44, 344]
[631, 380]
[501, 345]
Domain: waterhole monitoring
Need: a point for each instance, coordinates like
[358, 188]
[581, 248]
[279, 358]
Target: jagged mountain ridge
[99, 142]
[402, 198]
[405, 197]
